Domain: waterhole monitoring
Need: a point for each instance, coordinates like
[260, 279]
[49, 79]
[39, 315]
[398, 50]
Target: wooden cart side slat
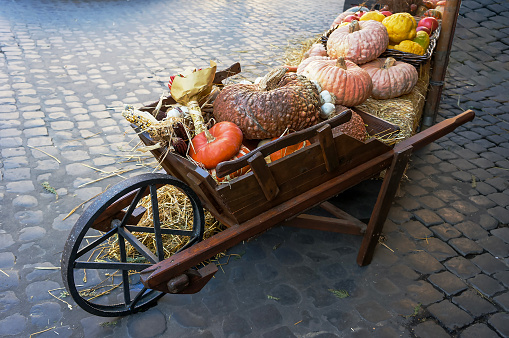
[284, 169]
[297, 182]
[263, 176]
[328, 147]
[244, 189]
[254, 209]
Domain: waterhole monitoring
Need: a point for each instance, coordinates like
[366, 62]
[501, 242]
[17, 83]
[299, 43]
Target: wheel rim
[85, 245]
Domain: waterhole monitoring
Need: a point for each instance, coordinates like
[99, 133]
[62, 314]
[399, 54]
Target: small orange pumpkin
[243, 151]
[433, 13]
[288, 150]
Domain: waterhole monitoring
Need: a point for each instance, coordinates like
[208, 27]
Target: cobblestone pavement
[66, 69]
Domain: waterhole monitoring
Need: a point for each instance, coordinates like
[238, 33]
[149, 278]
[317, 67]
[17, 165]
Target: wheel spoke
[137, 244]
[125, 273]
[133, 205]
[95, 243]
[157, 222]
[111, 265]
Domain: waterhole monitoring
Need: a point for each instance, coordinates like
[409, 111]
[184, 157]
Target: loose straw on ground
[42, 151]
[58, 298]
[81, 204]
[46, 330]
[117, 173]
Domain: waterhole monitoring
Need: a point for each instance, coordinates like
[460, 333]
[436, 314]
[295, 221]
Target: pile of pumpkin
[346, 73]
[349, 66]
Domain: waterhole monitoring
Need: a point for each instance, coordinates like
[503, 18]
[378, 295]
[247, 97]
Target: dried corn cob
[142, 119]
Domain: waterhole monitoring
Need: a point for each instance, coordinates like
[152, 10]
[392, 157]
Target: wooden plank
[328, 147]
[322, 223]
[383, 205]
[332, 209]
[301, 161]
[264, 176]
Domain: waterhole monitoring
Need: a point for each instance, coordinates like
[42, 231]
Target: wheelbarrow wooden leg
[383, 205]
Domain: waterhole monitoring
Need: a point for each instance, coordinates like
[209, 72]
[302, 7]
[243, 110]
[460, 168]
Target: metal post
[439, 63]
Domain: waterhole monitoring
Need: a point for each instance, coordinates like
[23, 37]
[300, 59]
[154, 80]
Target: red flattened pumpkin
[219, 143]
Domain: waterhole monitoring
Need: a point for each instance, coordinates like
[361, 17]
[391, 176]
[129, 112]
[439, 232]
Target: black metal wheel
[111, 242]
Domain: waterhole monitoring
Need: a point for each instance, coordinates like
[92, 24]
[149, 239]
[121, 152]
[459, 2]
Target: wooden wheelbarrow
[270, 194]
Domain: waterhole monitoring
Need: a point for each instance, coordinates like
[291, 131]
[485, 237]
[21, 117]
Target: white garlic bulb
[174, 113]
[177, 112]
[326, 110]
[326, 97]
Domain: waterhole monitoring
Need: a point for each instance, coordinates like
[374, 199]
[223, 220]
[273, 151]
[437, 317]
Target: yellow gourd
[400, 26]
[374, 15]
[409, 46]
[422, 38]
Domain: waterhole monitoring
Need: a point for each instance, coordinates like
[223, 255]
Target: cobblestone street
[68, 67]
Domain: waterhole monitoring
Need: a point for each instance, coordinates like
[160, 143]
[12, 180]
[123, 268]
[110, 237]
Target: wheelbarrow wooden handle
[436, 131]
[226, 167]
[225, 73]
